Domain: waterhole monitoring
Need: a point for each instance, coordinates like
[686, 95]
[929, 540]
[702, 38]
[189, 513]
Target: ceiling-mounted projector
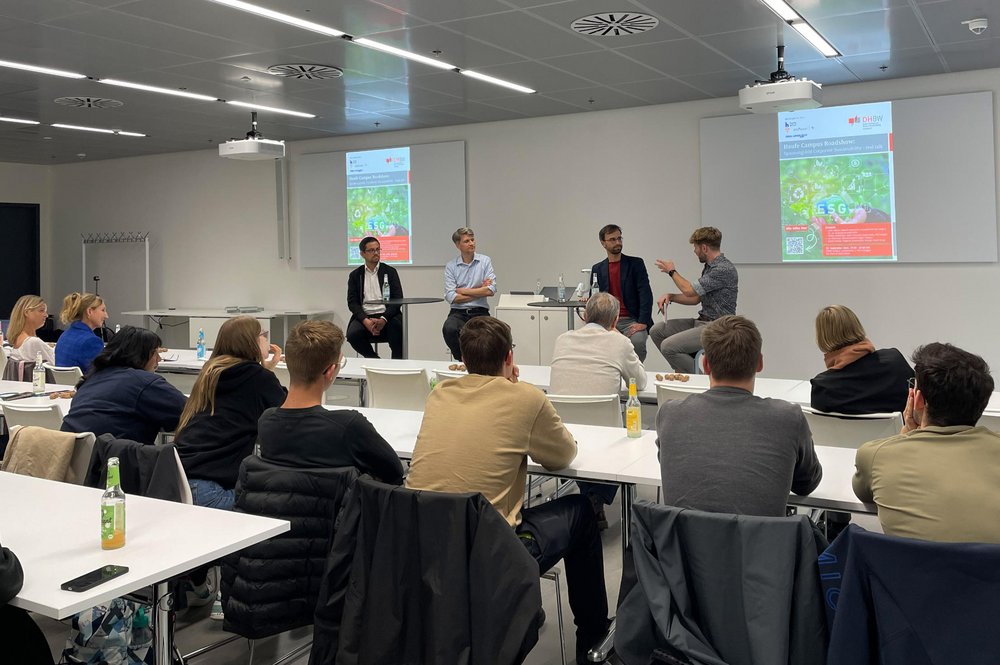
[790, 95]
[253, 147]
[250, 149]
[782, 92]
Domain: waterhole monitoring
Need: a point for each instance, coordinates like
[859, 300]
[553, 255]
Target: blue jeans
[211, 494]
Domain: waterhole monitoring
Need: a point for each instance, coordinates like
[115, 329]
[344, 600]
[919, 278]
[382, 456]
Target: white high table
[54, 529]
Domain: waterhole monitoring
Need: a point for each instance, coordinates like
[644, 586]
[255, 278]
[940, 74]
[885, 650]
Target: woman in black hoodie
[218, 427]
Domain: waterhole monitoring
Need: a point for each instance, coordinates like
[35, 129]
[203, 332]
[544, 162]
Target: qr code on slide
[794, 246]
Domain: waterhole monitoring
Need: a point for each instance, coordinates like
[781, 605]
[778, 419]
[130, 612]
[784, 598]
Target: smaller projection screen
[412, 198]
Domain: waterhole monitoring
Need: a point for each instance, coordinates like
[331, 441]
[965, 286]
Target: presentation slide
[378, 203]
[836, 184]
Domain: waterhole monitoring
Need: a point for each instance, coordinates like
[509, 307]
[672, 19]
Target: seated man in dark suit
[376, 322]
[625, 278]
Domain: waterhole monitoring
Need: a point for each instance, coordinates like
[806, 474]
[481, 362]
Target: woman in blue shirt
[122, 395]
[78, 346]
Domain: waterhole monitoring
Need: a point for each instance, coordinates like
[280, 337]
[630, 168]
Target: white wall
[538, 190]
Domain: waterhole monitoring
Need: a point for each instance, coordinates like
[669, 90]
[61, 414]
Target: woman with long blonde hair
[219, 424]
[858, 379]
[26, 318]
[78, 346]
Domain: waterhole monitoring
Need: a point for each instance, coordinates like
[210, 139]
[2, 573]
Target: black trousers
[567, 529]
[453, 325]
[23, 641]
[360, 339]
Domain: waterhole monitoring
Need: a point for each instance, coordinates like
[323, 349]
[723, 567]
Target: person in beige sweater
[594, 360]
[937, 479]
[476, 435]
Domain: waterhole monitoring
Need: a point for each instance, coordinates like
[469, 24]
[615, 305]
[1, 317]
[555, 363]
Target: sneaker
[198, 596]
[217, 613]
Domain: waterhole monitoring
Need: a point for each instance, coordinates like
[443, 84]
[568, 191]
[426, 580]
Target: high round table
[403, 303]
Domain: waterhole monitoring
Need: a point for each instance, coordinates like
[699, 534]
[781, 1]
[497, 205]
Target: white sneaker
[217, 613]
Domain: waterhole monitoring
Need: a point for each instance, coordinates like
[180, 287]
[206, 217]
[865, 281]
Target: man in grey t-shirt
[716, 290]
[727, 451]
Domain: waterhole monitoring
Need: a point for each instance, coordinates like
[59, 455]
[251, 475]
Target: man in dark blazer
[625, 278]
[377, 322]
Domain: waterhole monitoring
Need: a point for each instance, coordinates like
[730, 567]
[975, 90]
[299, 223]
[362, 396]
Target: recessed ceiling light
[99, 130]
[19, 121]
[496, 81]
[392, 50]
[42, 70]
[260, 107]
[153, 88]
[279, 16]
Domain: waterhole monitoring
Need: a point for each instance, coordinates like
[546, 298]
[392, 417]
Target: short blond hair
[311, 347]
[732, 347]
[836, 327]
[462, 232]
[707, 235]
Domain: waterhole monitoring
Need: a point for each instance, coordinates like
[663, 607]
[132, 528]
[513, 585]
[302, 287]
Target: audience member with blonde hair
[78, 346]
[727, 450]
[301, 433]
[26, 318]
[219, 424]
[858, 378]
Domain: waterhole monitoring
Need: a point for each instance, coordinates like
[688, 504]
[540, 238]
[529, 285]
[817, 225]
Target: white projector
[252, 149]
[791, 95]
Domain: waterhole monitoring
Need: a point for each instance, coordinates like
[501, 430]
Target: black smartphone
[93, 578]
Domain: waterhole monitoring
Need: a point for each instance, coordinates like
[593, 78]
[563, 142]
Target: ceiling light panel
[409, 55]
[261, 107]
[41, 70]
[19, 121]
[496, 81]
[99, 130]
[279, 16]
[153, 88]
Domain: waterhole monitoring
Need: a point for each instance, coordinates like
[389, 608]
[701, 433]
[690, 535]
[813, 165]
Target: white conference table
[45, 400]
[54, 529]
[606, 454]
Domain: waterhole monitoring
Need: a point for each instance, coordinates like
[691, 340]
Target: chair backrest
[447, 567]
[182, 481]
[63, 376]
[79, 461]
[18, 370]
[397, 388]
[740, 587]
[3, 360]
[666, 393]
[444, 374]
[603, 410]
[48, 415]
[846, 431]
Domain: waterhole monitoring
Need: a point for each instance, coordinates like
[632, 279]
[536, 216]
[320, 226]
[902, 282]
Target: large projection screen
[943, 170]
[417, 199]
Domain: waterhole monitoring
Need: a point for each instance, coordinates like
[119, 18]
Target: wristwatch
[670, 273]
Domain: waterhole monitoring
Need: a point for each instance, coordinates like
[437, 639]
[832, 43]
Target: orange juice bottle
[113, 510]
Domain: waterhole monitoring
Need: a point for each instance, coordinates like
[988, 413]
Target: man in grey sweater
[726, 450]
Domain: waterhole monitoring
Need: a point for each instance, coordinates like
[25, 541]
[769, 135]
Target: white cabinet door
[551, 325]
[524, 329]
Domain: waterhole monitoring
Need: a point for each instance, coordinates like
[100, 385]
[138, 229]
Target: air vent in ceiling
[306, 71]
[89, 102]
[614, 24]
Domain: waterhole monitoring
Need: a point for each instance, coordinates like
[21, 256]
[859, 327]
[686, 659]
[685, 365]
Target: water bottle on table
[561, 291]
[385, 287]
[38, 377]
[200, 347]
[594, 288]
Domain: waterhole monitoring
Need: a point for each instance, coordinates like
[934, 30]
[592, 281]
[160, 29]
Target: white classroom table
[54, 529]
[24, 386]
[188, 313]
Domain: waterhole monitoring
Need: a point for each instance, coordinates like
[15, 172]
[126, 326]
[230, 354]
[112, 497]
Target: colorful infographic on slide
[836, 178]
[378, 203]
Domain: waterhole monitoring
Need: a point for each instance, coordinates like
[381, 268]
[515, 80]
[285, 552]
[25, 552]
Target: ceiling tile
[358, 18]
[979, 54]
[403, 93]
[213, 19]
[456, 49]
[681, 57]
[662, 91]
[479, 112]
[605, 67]
[873, 32]
[825, 72]
[535, 75]
[708, 17]
[143, 32]
[603, 99]
[720, 84]
[38, 10]
[944, 19]
[534, 105]
[903, 63]
[757, 48]
[523, 34]
[564, 13]
[438, 11]
[817, 9]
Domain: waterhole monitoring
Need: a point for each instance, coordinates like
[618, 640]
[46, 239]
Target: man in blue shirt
[468, 281]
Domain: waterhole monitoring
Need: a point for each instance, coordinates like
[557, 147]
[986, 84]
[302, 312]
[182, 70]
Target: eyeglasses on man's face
[373, 250]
